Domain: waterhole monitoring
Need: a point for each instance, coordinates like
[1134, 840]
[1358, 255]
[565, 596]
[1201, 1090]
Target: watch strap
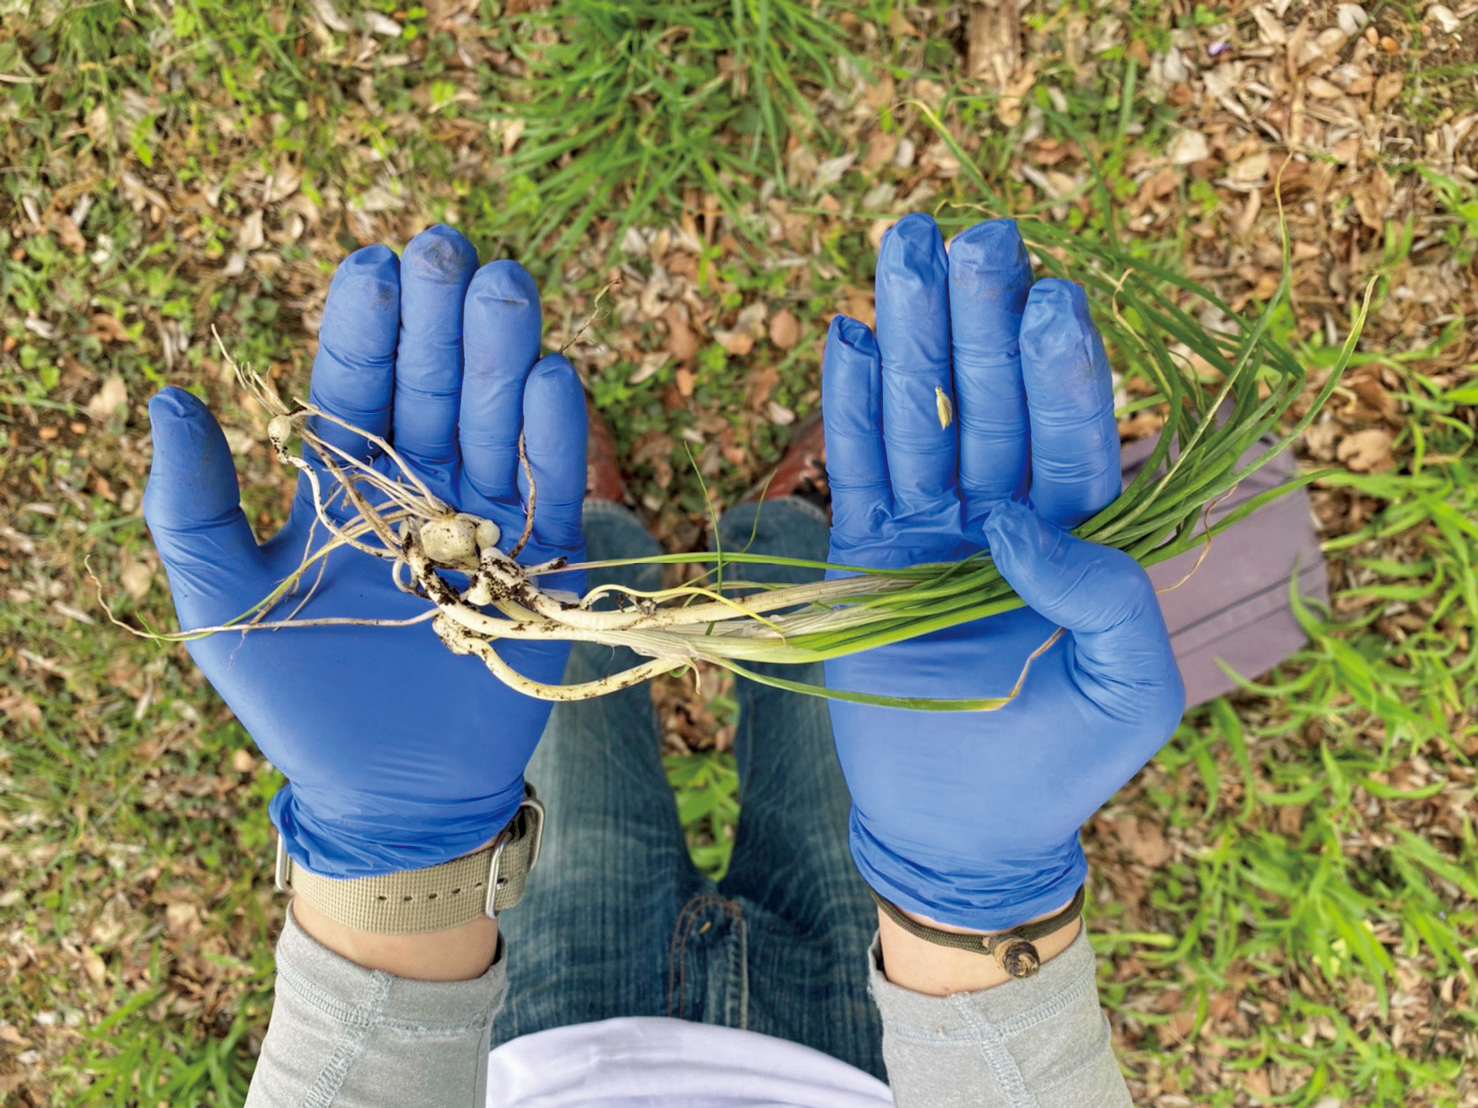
[1013, 950]
[476, 885]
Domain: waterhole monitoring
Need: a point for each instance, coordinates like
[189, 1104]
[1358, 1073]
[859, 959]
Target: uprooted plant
[479, 595]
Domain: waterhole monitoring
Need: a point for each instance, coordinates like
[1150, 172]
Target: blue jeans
[617, 921]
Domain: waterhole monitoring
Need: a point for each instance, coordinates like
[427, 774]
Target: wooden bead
[1018, 957]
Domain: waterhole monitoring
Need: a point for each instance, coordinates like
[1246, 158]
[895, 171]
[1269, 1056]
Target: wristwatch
[471, 887]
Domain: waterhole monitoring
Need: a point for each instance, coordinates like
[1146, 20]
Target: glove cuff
[974, 893]
[343, 834]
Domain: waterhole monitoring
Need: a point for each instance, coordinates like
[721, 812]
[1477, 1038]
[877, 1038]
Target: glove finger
[354, 370]
[852, 414]
[913, 339]
[1101, 595]
[502, 327]
[193, 507]
[989, 278]
[434, 273]
[555, 434]
[1075, 471]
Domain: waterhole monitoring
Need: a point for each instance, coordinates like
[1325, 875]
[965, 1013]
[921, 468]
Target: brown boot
[802, 469]
[602, 461]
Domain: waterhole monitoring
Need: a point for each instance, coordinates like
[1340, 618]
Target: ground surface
[1285, 899]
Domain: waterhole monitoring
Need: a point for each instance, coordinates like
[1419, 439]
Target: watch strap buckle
[282, 871]
[525, 837]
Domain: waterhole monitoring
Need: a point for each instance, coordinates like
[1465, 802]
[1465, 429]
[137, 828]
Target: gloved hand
[971, 818]
[398, 753]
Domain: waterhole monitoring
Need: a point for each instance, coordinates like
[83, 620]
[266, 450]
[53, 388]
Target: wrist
[455, 954]
[438, 923]
[926, 967]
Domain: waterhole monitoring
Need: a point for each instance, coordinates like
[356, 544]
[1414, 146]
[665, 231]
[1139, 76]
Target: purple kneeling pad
[1236, 607]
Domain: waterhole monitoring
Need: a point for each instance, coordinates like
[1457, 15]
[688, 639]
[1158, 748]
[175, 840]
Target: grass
[707, 787]
[1319, 850]
[1307, 936]
[624, 105]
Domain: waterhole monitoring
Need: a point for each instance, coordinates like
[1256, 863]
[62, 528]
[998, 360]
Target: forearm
[954, 1035]
[353, 1036]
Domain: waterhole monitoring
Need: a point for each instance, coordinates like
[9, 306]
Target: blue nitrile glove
[971, 818]
[398, 753]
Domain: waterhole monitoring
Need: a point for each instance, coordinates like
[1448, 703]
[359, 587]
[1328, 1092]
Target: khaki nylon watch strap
[432, 899]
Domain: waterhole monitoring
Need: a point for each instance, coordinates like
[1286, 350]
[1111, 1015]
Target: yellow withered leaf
[946, 409]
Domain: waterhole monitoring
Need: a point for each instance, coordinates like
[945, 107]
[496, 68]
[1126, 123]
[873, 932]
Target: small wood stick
[528, 519]
[614, 282]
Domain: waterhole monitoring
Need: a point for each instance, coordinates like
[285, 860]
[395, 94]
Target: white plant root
[399, 519]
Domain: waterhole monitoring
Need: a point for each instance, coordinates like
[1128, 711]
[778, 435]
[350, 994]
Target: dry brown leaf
[324, 9]
[682, 344]
[8, 1034]
[1366, 451]
[762, 381]
[69, 233]
[1371, 197]
[1223, 1006]
[1347, 150]
[880, 150]
[1387, 88]
[20, 708]
[1351, 17]
[930, 92]
[1146, 842]
[1269, 26]
[108, 328]
[249, 235]
[1251, 170]
[1320, 89]
[833, 170]
[1187, 147]
[136, 578]
[1177, 1028]
[737, 343]
[785, 329]
[243, 762]
[182, 919]
[1258, 1083]
[899, 25]
[283, 183]
[880, 93]
[1445, 18]
[1378, 401]
[108, 399]
[687, 381]
[1009, 106]
[93, 966]
[862, 306]
[512, 132]
[1161, 183]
